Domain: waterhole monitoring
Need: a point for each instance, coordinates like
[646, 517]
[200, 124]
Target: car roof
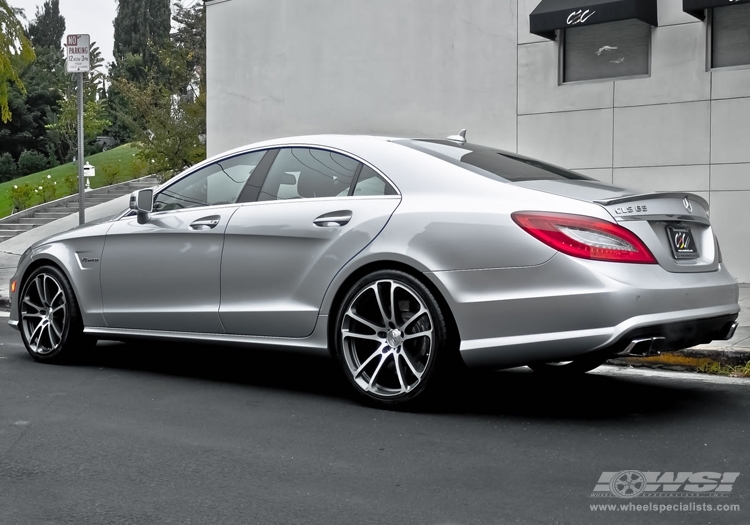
[325, 140]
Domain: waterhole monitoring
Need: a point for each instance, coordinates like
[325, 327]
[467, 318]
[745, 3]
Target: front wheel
[391, 338]
[49, 321]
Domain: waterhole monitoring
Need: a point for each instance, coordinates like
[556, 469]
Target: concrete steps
[19, 226]
[51, 214]
[8, 230]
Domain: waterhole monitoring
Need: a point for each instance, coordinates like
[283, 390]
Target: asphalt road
[149, 435]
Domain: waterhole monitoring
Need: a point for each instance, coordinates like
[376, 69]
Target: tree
[15, 52]
[45, 83]
[168, 111]
[48, 28]
[63, 128]
[141, 31]
[190, 38]
[141, 28]
[45, 79]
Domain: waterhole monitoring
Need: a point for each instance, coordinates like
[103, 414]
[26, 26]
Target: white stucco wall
[391, 67]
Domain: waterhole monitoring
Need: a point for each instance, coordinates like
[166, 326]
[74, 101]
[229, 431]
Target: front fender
[79, 259]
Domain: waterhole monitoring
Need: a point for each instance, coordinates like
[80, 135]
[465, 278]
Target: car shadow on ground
[514, 393]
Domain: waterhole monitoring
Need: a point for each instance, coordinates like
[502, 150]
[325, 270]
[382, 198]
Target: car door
[315, 211]
[164, 274]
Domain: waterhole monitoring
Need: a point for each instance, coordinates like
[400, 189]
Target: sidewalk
[733, 352]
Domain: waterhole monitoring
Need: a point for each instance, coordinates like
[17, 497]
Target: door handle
[205, 223]
[333, 219]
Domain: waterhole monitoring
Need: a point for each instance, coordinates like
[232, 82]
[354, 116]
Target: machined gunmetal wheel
[391, 337]
[49, 319]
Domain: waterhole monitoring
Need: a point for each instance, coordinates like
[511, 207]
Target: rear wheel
[391, 338]
[50, 322]
[565, 368]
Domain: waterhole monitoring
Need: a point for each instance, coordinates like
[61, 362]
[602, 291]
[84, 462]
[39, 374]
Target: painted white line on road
[683, 376]
[4, 314]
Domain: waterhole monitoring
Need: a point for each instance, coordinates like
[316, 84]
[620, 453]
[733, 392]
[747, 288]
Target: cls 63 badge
[631, 209]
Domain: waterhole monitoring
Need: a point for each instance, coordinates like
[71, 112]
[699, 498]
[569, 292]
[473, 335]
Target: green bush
[21, 195]
[140, 168]
[70, 183]
[8, 168]
[47, 190]
[110, 175]
[32, 161]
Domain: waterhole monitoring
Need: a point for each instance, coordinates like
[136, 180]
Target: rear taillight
[585, 237]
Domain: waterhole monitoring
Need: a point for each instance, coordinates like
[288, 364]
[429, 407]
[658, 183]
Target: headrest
[312, 184]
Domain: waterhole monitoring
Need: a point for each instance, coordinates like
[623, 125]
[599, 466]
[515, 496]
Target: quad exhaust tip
[644, 347]
[730, 332]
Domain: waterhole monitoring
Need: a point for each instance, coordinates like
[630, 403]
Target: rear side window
[493, 163]
[369, 183]
[305, 173]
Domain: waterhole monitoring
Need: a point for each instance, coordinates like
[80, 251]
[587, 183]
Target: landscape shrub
[70, 184]
[8, 168]
[47, 189]
[110, 175]
[32, 161]
[21, 195]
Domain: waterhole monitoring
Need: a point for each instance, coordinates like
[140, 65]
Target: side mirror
[288, 179]
[142, 201]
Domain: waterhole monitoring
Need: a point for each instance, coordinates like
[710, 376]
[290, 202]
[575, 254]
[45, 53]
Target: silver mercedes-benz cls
[404, 259]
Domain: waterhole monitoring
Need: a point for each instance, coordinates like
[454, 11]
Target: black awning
[551, 15]
[697, 8]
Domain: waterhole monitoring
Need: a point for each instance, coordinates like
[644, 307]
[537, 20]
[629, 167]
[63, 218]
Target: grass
[725, 370]
[121, 159]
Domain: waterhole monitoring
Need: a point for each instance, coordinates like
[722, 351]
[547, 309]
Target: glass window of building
[730, 36]
[604, 51]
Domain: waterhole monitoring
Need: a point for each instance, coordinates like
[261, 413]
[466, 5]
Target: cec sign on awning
[78, 60]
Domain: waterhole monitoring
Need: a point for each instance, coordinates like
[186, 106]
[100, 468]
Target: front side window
[308, 173]
[730, 36]
[217, 183]
[609, 50]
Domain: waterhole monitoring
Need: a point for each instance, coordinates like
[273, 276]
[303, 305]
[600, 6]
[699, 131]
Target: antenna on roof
[461, 137]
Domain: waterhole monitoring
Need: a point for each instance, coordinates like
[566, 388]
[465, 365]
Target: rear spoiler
[648, 196]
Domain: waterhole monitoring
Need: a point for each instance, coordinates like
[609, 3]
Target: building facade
[648, 94]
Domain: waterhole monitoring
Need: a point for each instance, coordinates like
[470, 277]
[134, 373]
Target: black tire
[569, 368]
[62, 338]
[387, 363]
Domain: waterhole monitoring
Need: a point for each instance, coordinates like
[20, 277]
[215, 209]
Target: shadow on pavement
[511, 393]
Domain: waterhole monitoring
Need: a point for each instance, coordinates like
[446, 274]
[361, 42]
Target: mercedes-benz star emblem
[688, 205]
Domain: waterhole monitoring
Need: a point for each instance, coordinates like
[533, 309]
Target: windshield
[491, 162]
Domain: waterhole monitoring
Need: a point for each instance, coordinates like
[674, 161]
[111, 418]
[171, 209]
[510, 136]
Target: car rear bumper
[568, 307]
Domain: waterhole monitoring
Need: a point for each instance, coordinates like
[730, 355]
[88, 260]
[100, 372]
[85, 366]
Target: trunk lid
[663, 221]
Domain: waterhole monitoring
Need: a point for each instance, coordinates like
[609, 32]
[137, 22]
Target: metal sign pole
[81, 205]
[79, 61]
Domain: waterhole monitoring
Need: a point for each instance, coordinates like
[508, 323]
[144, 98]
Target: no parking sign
[78, 60]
